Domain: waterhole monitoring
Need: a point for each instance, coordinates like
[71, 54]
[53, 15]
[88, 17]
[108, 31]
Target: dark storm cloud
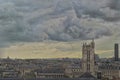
[23, 20]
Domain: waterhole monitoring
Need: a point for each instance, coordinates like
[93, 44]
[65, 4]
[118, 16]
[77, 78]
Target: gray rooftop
[87, 76]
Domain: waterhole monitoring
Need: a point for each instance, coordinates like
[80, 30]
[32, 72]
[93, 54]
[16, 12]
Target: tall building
[116, 53]
[88, 58]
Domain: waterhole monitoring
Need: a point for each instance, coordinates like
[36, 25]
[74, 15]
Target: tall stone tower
[88, 58]
[116, 52]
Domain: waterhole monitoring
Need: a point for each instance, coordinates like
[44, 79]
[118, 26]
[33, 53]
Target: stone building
[73, 71]
[10, 74]
[88, 58]
[110, 70]
[50, 73]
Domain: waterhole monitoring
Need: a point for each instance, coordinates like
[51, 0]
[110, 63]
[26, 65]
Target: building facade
[110, 70]
[88, 58]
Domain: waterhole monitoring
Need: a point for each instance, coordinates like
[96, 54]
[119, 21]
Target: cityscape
[89, 67]
[59, 39]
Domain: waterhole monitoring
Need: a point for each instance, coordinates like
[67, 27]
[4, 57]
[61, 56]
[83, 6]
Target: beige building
[50, 73]
[110, 70]
[10, 74]
[88, 58]
[73, 71]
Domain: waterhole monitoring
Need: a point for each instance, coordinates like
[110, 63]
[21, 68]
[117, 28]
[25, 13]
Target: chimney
[116, 52]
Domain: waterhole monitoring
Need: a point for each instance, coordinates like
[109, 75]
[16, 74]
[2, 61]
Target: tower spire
[93, 43]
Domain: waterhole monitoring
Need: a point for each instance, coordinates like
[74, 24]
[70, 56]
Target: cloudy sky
[67, 21]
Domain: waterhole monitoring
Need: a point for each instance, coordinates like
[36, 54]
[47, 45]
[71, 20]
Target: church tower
[88, 58]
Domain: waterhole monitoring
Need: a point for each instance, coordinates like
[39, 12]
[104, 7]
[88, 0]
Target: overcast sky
[59, 20]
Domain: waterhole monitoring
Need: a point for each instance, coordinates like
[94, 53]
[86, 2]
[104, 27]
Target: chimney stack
[116, 52]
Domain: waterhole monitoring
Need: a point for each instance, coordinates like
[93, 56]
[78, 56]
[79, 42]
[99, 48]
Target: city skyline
[59, 39]
[89, 67]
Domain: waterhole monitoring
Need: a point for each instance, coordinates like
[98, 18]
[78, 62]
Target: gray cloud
[114, 4]
[108, 10]
[24, 20]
